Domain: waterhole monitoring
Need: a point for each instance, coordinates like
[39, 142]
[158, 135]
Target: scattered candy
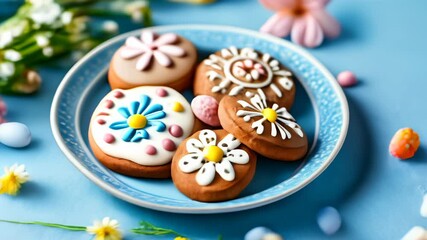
[346, 79]
[206, 109]
[423, 210]
[329, 220]
[262, 233]
[257, 233]
[404, 143]
[272, 236]
[416, 233]
[15, 134]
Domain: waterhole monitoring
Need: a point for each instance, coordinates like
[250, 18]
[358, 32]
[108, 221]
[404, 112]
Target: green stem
[53, 225]
[147, 228]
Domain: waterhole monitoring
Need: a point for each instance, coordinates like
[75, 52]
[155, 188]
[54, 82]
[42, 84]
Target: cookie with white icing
[267, 128]
[136, 132]
[212, 166]
[153, 60]
[240, 72]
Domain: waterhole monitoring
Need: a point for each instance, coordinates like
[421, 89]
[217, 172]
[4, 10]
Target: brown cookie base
[272, 147]
[219, 189]
[127, 167]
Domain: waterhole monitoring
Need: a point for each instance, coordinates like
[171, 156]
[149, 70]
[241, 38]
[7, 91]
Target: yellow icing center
[270, 114]
[213, 153]
[137, 121]
[177, 107]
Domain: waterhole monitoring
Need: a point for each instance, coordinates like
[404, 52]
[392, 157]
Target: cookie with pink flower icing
[265, 127]
[212, 166]
[153, 60]
[240, 72]
[136, 132]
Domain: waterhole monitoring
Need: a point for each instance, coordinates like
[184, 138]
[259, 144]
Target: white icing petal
[234, 50]
[257, 103]
[282, 112]
[162, 58]
[283, 73]
[238, 156]
[266, 57]
[255, 74]
[276, 90]
[212, 75]
[207, 137]
[129, 53]
[225, 53]
[286, 83]
[246, 105]
[172, 50]
[144, 61]
[228, 143]
[258, 126]
[165, 39]
[133, 42]
[191, 162]
[194, 146]
[225, 170]
[273, 130]
[236, 90]
[206, 174]
[147, 37]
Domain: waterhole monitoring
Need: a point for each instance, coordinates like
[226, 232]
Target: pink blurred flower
[305, 20]
[3, 111]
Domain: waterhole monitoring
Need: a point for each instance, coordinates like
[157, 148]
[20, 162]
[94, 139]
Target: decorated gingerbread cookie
[136, 132]
[212, 165]
[240, 72]
[267, 128]
[153, 60]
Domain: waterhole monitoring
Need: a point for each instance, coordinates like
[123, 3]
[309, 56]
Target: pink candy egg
[206, 109]
[346, 79]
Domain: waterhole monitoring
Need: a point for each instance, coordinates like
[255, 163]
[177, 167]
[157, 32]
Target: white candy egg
[13, 134]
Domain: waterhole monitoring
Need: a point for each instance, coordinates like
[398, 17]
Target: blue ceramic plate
[320, 108]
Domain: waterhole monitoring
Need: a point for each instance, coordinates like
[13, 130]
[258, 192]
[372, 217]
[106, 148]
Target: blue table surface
[378, 196]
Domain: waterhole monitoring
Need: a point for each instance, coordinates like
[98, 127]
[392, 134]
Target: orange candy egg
[404, 143]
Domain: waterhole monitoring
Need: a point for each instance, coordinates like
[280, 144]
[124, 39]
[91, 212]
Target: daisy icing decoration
[107, 229]
[138, 117]
[277, 117]
[14, 177]
[149, 46]
[208, 157]
[305, 20]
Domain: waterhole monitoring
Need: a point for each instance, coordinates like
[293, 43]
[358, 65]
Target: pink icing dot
[346, 79]
[176, 131]
[168, 145]
[150, 150]
[118, 94]
[161, 92]
[109, 104]
[108, 138]
[101, 121]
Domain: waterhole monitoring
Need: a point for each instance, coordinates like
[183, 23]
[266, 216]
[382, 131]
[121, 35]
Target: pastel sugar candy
[346, 79]
[15, 134]
[404, 143]
[257, 233]
[329, 220]
[423, 209]
[262, 233]
[206, 109]
[416, 233]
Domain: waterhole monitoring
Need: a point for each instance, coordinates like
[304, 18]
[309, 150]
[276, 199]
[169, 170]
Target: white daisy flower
[6, 37]
[107, 229]
[205, 155]
[278, 117]
[12, 55]
[45, 12]
[7, 69]
[10, 182]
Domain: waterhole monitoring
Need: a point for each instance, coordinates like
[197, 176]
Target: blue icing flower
[140, 116]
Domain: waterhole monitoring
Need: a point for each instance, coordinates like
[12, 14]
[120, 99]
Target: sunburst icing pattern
[246, 69]
[278, 117]
[138, 117]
